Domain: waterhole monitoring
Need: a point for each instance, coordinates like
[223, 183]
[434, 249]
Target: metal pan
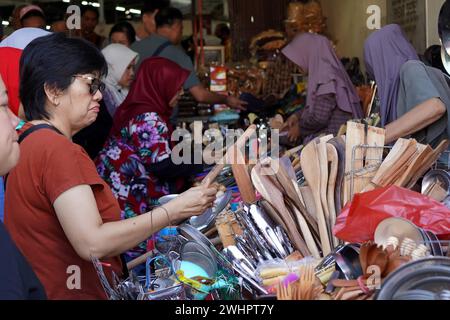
[444, 26]
[434, 176]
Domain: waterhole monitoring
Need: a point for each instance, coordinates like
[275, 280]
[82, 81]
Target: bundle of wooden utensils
[334, 168]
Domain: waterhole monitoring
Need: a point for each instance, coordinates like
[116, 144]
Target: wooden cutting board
[311, 171]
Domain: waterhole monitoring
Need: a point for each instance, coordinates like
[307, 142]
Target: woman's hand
[293, 128]
[193, 202]
[235, 103]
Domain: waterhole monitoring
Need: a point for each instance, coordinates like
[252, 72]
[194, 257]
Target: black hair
[33, 13]
[53, 60]
[85, 9]
[150, 6]
[168, 16]
[126, 28]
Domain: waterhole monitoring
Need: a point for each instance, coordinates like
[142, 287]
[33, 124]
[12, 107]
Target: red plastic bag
[359, 220]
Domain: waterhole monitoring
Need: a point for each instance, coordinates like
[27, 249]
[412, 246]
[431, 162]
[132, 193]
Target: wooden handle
[231, 152]
[139, 260]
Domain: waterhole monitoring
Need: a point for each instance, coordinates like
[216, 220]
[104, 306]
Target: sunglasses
[95, 85]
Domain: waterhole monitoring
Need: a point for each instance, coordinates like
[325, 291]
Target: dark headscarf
[385, 52]
[326, 74]
[157, 82]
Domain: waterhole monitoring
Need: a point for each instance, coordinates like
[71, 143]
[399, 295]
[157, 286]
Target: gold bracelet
[167, 214]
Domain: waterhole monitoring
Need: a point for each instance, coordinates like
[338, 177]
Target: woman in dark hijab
[414, 98]
[332, 99]
[136, 160]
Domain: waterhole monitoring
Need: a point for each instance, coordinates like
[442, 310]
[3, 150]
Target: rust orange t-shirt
[49, 165]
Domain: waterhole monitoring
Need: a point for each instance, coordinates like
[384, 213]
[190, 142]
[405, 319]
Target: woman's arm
[317, 117]
[415, 120]
[89, 236]
[311, 119]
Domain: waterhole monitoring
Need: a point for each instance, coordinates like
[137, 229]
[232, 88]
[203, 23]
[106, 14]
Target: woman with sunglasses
[136, 160]
[61, 214]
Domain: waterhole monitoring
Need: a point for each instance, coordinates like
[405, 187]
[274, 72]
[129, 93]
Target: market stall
[344, 217]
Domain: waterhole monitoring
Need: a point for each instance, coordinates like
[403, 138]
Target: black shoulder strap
[35, 128]
[161, 48]
[26, 134]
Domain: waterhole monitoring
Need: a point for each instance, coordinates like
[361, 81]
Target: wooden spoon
[311, 171]
[323, 163]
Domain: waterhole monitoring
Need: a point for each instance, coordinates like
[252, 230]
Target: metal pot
[431, 275]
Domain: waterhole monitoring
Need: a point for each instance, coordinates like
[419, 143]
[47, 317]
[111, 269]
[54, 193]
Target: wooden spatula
[309, 201]
[332, 156]
[289, 189]
[339, 145]
[306, 232]
[403, 150]
[311, 171]
[230, 154]
[323, 163]
[428, 162]
[423, 151]
[275, 198]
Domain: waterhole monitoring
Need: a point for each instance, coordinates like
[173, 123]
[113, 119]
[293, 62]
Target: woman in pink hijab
[332, 99]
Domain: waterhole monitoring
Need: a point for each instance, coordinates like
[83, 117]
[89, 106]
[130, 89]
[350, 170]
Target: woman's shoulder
[412, 68]
[49, 142]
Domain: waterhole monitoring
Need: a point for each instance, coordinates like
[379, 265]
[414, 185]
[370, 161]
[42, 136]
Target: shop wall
[250, 17]
[347, 24]
[433, 8]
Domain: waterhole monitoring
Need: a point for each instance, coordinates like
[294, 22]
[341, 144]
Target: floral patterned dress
[124, 161]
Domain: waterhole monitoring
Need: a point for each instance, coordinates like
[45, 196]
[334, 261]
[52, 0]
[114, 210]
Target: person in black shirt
[17, 279]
